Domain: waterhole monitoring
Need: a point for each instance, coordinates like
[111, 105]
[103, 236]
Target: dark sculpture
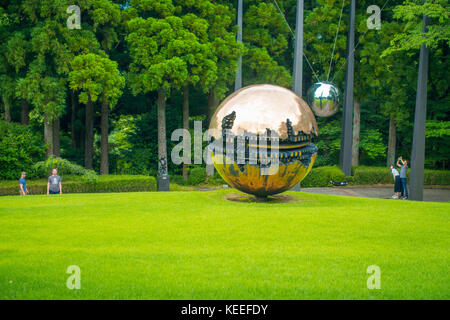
[162, 170]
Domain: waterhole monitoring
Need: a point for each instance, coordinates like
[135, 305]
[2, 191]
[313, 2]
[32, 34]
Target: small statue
[162, 166]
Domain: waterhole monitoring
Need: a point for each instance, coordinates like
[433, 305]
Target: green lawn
[197, 245]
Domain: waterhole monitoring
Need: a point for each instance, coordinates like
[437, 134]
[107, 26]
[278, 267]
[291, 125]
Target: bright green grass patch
[197, 245]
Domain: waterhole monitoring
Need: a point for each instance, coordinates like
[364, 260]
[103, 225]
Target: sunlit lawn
[198, 245]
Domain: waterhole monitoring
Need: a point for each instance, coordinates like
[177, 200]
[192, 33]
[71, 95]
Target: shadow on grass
[279, 198]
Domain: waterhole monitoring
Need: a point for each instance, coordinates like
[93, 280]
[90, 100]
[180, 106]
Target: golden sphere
[272, 127]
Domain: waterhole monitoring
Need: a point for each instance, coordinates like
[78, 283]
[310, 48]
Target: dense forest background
[94, 95]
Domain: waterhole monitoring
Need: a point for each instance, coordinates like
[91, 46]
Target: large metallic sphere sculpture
[324, 99]
[270, 124]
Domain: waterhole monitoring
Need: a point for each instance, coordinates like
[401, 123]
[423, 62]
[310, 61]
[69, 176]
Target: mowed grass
[198, 245]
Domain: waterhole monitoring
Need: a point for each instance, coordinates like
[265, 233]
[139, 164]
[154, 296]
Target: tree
[155, 44]
[199, 55]
[48, 94]
[220, 16]
[7, 88]
[13, 60]
[96, 77]
[411, 35]
[267, 47]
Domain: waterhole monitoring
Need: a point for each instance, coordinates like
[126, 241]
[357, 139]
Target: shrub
[372, 175]
[197, 175]
[20, 147]
[178, 179]
[321, 176]
[89, 177]
[216, 179]
[437, 177]
[43, 168]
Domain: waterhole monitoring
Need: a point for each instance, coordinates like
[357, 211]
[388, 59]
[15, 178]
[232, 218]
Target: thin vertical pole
[297, 77]
[347, 121]
[418, 146]
[238, 82]
[298, 51]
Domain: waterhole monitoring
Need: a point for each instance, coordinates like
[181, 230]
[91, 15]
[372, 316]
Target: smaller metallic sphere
[324, 98]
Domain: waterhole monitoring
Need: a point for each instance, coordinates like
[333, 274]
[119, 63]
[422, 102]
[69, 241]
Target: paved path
[383, 192]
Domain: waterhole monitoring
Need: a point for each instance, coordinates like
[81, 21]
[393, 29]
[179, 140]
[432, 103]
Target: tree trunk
[48, 135]
[89, 135]
[392, 141]
[7, 110]
[104, 163]
[185, 122]
[72, 121]
[356, 132]
[213, 102]
[56, 140]
[25, 116]
[162, 147]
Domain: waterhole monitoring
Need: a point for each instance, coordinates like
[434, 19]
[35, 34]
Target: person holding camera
[403, 169]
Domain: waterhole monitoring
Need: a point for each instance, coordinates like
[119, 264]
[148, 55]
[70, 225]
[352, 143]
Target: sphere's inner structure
[264, 147]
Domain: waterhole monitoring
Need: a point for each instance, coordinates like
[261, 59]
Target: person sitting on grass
[397, 183]
[403, 169]
[23, 184]
[54, 183]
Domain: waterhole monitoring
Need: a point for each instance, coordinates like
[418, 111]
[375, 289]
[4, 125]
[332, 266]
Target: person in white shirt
[397, 183]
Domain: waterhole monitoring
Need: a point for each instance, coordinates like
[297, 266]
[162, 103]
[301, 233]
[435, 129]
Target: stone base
[163, 183]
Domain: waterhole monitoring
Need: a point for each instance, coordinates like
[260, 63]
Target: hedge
[381, 175]
[320, 177]
[197, 175]
[73, 184]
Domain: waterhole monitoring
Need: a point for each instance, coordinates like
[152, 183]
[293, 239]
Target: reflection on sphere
[324, 99]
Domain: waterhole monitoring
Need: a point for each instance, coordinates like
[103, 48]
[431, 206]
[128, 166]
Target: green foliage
[437, 177]
[154, 44]
[321, 176]
[166, 44]
[216, 179]
[372, 175]
[43, 169]
[83, 184]
[89, 176]
[382, 175]
[437, 146]
[364, 175]
[20, 147]
[371, 146]
[411, 13]
[197, 175]
[95, 75]
[136, 150]
[266, 41]
[328, 142]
